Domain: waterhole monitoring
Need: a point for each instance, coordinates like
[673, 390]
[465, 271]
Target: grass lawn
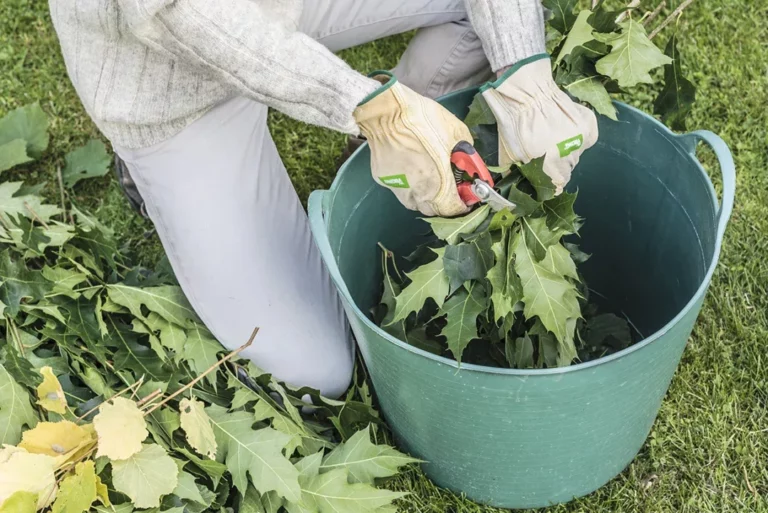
[708, 451]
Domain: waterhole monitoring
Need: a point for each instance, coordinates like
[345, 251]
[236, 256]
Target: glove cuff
[514, 69]
[387, 80]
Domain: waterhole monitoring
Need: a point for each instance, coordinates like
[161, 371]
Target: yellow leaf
[77, 491]
[121, 428]
[50, 394]
[102, 492]
[20, 502]
[21, 471]
[56, 438]
[197, 426]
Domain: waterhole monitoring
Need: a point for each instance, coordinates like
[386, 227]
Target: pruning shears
[466, 161]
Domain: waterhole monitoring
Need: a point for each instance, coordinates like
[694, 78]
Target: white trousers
[229, 218]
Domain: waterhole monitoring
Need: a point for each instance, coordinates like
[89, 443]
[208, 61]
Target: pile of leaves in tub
[503, 289]
[114, 397]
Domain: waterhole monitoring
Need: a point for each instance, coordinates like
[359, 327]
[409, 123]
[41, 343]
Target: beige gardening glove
[536, 118]
[411, 138]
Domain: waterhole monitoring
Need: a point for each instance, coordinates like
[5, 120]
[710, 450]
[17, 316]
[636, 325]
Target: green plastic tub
[532, 438]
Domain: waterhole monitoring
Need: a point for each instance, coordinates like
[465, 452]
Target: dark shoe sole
[128, 186]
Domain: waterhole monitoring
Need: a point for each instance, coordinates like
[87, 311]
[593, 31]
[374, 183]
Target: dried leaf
[121, 428]
[57, 438]
[49, 393]
[21, 471]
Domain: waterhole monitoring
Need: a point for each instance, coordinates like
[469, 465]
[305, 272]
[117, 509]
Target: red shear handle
[466, 159]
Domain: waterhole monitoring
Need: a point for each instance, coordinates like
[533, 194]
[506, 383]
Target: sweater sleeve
[243, 45]
[510, 30]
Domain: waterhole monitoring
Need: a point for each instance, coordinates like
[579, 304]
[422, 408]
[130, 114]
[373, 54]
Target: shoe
[128, 186]
[353, 143]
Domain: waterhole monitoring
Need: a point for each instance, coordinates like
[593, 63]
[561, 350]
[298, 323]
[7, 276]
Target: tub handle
[316, 212]
[727, 169]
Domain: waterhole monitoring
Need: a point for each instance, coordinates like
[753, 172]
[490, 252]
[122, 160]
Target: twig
[749, 485]
[677, 12]
[632, 5]
[655, 13]
[149, 398]
[35, 216]
[123, 391]
[61, 190]
[204, 374]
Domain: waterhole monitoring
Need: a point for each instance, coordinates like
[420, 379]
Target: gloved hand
[411, 138]
[536, 118]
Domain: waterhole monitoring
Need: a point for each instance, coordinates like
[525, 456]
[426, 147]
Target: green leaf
[251, 502]
[364, 460]
[462, 310]
[580, 33]
[519, 352]
[558, 261]
[97, 243]
[13, 153]
[187, 488]
[602, 327]
[88, 161]
[146, 476]
[541, 182]
[331, 492]
[134, 356]
[632, 55]
[256, 452]
[578, 256]
[468, 260]
[171, 336]
[525, 204]
[546, 294]
[538, 236]
[13, 204]
[168, 301]
[479, 113]
[603, 20]
[450, 228]
[80, 315]
[504, 218]
[506, 291]
[17, 282]
[19, 367]
[548, 345]
[486, 139]
[676, 98]
[197, 427]
[200, 352]
[77, 491]
[29, 123]
[592, 91]
[560, 213]
[214, 469]
[15, 409]
[272, 502]
[427, 281]
[563, 16]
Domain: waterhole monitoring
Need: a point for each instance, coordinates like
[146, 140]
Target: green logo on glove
[570, 145]
[397, 181]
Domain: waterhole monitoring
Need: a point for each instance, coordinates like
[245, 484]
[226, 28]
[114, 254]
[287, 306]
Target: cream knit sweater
[144, 69]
